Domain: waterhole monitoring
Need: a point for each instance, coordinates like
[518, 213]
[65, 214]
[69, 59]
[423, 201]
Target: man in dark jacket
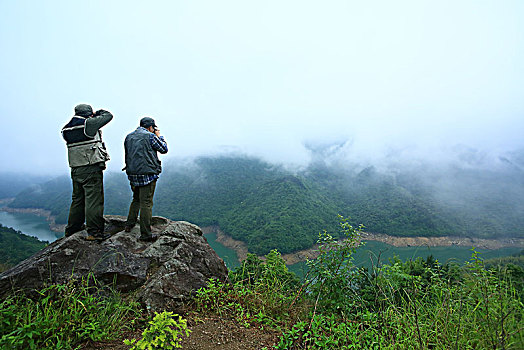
[87, 158]
[143, 169]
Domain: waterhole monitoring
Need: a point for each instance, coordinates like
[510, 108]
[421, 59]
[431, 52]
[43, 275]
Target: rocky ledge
[163, 274]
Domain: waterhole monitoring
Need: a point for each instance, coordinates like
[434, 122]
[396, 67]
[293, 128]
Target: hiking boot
[72, 231]
[151, 238]
[97, 236]
[128, 228]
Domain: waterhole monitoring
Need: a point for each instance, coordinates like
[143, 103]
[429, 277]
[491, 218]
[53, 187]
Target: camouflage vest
[83, 149]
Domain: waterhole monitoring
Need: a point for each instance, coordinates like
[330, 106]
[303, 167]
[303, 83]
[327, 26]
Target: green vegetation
[401, 305]
[332, 274]
[419, 304]
[163, 333]
[281, 213]
[16, 246]
[63, 316]
[259, 292]
[516, 260]
[512, 265]
[269, 207]
[4, 267]
[53, 195]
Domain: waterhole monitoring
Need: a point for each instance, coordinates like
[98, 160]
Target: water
[30, 224]
[373, 251]
[37, 226]
[367, 255]
[227, 254]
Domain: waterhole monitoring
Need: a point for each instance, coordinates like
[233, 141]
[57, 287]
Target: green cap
[83, 110]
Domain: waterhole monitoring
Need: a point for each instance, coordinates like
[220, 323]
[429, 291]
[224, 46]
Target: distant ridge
[268, 206]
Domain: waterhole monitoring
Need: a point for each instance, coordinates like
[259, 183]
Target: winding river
[366, 256]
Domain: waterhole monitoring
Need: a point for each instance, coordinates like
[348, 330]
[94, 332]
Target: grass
[63, 316]
[413, 304]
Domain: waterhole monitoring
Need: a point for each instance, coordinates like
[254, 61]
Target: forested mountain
[12, 183]
[53, 195]
[268, 206]
[16, 246]
[286, 212]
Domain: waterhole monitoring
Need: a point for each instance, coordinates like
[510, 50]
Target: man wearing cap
[87, 158]
[143, 169]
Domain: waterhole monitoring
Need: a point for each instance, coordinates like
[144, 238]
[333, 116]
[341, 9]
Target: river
[227, 254]
[37, 226]
[368, 254]
[30, 224]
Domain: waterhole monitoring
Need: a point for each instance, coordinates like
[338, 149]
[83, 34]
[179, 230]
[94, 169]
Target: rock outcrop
[162, 274]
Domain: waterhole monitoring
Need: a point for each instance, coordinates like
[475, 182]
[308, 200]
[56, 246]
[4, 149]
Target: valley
[38, 223]
[260, 206]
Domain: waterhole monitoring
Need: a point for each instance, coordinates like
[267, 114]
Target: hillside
[286, 212]
[268, 206]
[16, 246]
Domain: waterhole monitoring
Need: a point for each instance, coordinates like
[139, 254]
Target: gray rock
[163, 274]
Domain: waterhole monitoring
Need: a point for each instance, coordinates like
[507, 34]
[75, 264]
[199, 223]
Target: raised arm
[158, 143]
[101, 118]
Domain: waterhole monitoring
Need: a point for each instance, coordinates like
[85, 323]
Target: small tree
[332, 273]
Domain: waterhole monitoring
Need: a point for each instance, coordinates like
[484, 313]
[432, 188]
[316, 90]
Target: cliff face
[162, 274]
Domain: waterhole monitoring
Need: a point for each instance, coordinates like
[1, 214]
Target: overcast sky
[262, 77]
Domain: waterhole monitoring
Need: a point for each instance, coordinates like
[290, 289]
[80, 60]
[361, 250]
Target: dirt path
[207, 333]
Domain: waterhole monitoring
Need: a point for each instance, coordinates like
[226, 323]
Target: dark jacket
[141, 158]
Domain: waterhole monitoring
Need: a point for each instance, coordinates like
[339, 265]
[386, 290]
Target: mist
[404, 83]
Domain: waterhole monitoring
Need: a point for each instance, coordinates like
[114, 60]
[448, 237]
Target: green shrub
[332, 275]
[413, 304]
[163, 333]
[427, 306]
[260, 292]
[406, 305]
[323, 332]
